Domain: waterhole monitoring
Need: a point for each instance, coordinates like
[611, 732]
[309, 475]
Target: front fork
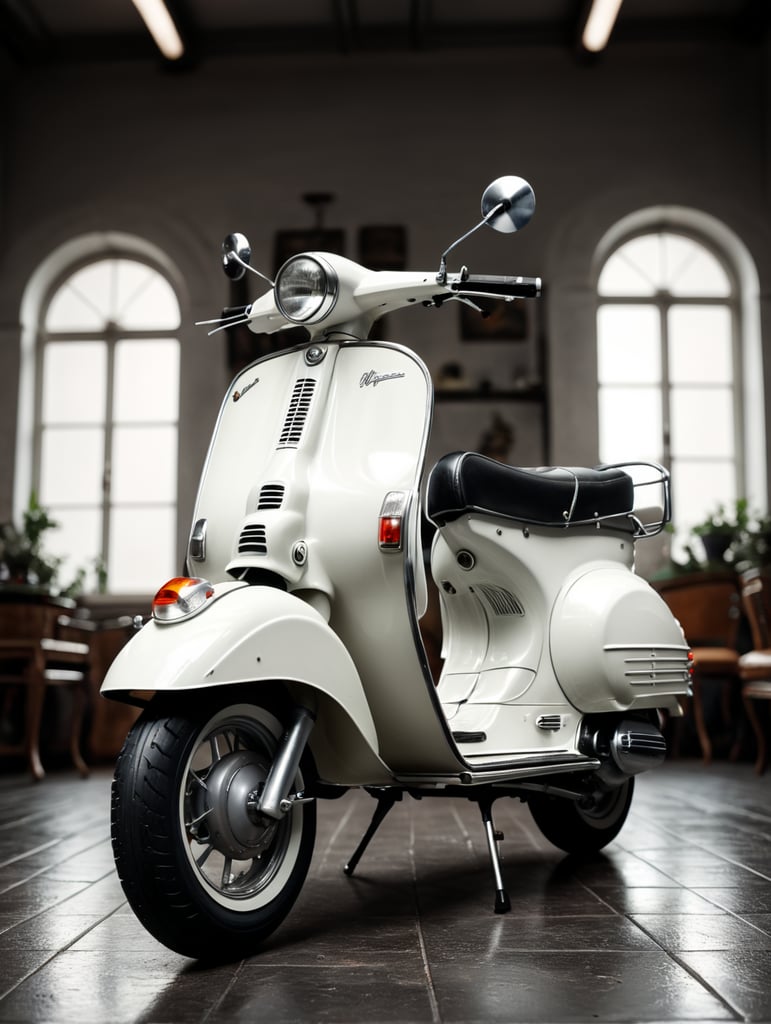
[274, 799]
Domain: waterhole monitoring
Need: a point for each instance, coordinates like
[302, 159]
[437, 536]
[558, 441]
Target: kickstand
[385, 801]
[502, 901]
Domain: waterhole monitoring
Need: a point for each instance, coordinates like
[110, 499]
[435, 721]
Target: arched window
[105, 420]
[670, 368]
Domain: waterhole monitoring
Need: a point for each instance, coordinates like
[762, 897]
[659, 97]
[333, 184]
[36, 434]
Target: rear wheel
[583, 826]
[204, 873]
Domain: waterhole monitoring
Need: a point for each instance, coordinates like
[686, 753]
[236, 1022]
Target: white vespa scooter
[289, 664]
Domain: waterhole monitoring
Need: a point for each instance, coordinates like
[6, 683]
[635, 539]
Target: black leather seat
[464, 482]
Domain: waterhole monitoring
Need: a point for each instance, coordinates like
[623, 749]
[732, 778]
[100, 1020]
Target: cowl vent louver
[253, 541]
[297, 413]
[271, 496]
[501, 601]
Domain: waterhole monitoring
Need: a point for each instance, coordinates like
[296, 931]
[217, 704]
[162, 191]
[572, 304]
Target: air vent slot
[501, 601]
[549, 723]
[253, 541]
[297, 413]
[271, 496]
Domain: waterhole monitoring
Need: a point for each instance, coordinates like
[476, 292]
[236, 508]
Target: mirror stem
[441, 276]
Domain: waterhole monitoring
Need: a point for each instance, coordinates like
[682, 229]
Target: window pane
[136, 381]
[144, 464]
[702, 422]
[120, 291]
[698, 488]
[146, 381]
[72, 466]
[142, 543]
[74, 376]
[630, 424]
[632, 269]
[78, 541]
[700, 344]
[629, 346]
[84, 301]
[690, 269]
[144, 299]
[663, 261]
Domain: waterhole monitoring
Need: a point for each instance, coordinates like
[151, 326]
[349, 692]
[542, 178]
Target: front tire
[207, 876]
[585, 826]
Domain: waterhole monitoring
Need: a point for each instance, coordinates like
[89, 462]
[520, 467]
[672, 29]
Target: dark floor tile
[17, 965]
[679, 932]
[389, 993]
[101, 898]
[341, 942]
[36, 895]
[555, 987]
[761, 921]
[122, 988]
[741, 977]
[47, 931]
[480, 941]
[657, 901]
[618, 868]
[755, 899]
[117, 932]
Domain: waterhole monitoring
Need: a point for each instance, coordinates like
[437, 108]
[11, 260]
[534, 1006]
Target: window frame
[663, 300]
[111, 335]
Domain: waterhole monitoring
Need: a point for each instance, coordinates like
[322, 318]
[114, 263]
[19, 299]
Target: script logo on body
[373, 378]
[244, 389]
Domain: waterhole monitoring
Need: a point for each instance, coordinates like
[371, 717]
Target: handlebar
[483, 285]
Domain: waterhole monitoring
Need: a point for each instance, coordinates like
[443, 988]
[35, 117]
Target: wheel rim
[241, 859]
[606, 809]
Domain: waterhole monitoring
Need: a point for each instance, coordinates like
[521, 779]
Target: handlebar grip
[517, 287]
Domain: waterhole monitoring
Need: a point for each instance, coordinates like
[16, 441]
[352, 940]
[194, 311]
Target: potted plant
[22, 559]
[723, 529]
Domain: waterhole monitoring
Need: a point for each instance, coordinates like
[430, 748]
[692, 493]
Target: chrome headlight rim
[323, 301]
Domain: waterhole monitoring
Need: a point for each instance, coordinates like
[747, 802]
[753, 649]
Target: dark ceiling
[35, 32]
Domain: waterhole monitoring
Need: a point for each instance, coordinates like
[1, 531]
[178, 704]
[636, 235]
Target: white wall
[404, 138]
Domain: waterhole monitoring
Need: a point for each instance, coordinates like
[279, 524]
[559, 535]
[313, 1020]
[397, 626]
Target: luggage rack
[660, 513]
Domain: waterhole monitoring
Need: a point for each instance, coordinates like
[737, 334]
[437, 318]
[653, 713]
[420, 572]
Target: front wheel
[583, 826]
[204, 873]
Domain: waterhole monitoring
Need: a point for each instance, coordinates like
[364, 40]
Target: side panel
[615, 644]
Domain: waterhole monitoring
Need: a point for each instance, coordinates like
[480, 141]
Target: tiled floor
[672, 924]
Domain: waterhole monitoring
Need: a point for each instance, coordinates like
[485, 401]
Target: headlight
[306, 289]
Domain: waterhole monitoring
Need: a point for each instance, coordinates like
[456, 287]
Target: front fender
[246, 634]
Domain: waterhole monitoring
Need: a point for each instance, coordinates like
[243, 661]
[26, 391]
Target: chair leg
[760, 735]
[34, 715]
[78, 708]
[698, 717]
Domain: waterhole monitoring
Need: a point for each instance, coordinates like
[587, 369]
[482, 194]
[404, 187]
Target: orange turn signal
[180, 597]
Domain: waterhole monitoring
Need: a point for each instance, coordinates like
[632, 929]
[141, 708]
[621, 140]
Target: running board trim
[503, 773]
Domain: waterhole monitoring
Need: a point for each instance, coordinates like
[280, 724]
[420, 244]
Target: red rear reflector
[390, 533]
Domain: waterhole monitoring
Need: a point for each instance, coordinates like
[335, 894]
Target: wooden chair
[35, 655]
[755, 666]
[708, 607]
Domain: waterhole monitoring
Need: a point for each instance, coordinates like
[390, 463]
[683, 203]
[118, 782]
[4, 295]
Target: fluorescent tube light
[599, 24]
[161, 27]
